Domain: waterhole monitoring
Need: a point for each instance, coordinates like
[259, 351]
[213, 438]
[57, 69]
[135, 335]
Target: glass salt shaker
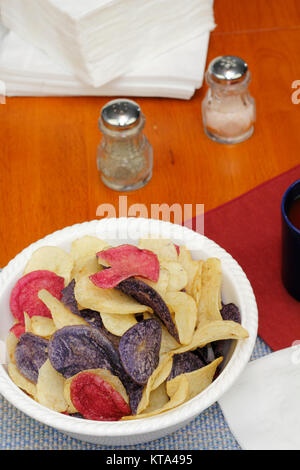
[228, 109]
[125, 157]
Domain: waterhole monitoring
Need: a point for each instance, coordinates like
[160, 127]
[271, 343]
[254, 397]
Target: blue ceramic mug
[291, 242]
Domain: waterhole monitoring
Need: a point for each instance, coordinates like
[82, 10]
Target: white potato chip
[21, 381]
[191, 267]
[61, 315]
[147, 315]
[50, 388]
[162, 284]
[11, 343]
[27, 323]
[83, 254]
[196, 288]
[168, 343]
[106, 300]
[158, 376]
[67, 396]
[198, 380]
[42, 326]
[177, 275]
[51, 258]
[118, 324]
[162, 247]
[209, 304]
[158, 398]
[90, 267]
[185, 309]
[214, 331]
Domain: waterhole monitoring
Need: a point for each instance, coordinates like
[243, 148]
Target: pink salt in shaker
[228, 109]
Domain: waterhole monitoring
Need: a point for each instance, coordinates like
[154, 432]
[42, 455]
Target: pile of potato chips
[142, 358]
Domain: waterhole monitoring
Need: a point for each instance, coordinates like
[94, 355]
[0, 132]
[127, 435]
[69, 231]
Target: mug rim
[283, 201]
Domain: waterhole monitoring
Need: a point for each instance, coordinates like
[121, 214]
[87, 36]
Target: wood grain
[49, 179]
[243, 16]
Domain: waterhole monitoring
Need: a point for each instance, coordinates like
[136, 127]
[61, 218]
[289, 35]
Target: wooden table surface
[48, 176]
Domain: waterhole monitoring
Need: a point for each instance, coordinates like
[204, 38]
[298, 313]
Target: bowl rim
[174, 417]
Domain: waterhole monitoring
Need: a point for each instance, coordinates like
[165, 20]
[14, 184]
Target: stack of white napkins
[53, 49]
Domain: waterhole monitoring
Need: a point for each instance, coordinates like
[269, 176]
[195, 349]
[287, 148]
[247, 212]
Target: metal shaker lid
[227, 68]
[120, 114]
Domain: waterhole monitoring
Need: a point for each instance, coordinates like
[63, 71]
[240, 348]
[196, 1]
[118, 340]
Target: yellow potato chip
[21, 381]
[158, 376]
[67, 396]
[27, 322]
[177, 275]
[179, 396]
[50, 388]
[118, 324]
[185, 310]
[11, 343]
[168, 343]
[83, 255]
[209, 304]
[214, 331]
[198, 380]
[90, 267]
[147, 315]
[162, 247]
[162, 284]
[158, 398]
[61, 315]
[197, 283]
[42, 326]
[191, 267]
[51, 258]
[106, 300]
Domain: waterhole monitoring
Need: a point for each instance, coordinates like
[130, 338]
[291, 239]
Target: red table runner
[249, 228]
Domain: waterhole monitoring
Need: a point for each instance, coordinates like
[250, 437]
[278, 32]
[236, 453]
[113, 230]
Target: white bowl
[235, 288]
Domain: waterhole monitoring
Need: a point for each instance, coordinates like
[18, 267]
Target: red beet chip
[126, 261]
[24, 296]
[96, 399]
[18, 329]
[177, 249]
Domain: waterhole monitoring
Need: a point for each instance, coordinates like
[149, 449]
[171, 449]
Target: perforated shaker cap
[228, 68]
[120, 114]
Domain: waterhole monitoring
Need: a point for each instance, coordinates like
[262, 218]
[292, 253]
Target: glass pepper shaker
[125, 157]
[228, 109]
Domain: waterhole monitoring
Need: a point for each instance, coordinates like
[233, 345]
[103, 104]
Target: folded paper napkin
[263, 406]
[28, 71]
[101, 40]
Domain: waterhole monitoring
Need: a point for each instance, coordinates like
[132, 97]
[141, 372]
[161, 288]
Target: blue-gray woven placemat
[209, 431]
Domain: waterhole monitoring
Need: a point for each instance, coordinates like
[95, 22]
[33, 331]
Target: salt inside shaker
[125, 157]
[228, 109]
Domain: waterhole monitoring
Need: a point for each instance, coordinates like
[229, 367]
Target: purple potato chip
[72, 349]
[93, 318]
[139, 350]
[144, 294]
[76, 415]
[206, 354]
[30, 355]
[231, 312]
[134, 391]
[68, 298]
[221, 347]
[184, 363]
